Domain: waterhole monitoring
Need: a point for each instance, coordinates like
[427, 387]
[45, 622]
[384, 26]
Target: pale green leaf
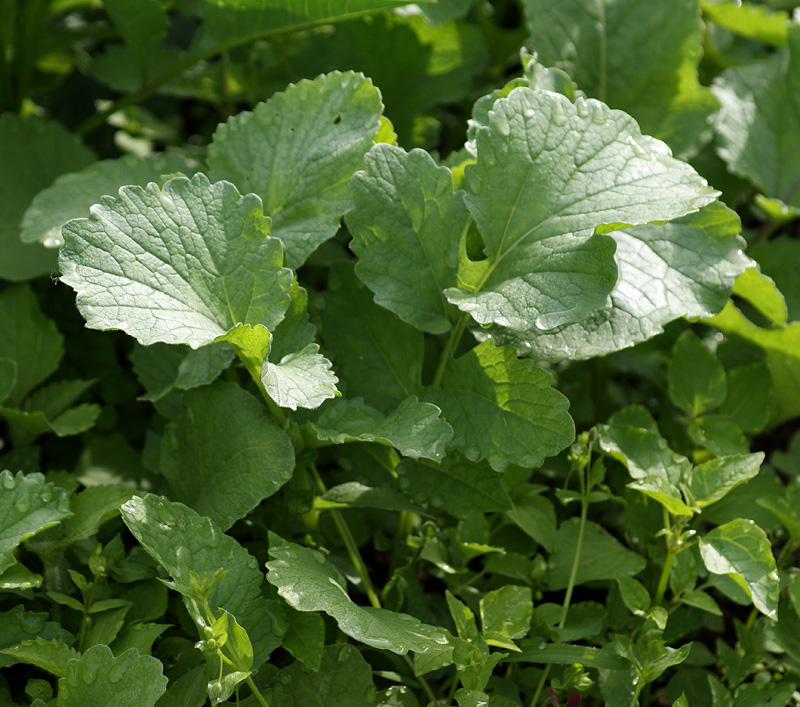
[224, 454]
[602, 556]
[719, 435]
[378, 357]
[29, 339]
[308, 582]
[712, 480]
[695, 376]
[143, 25]
[300, 379]
[407, 224]
[343, 679]
[748, 20]
[507, 611]
[759, 130]
[741, 550]
[52, 656]
[99, 679]
[607, 48]
[251, 344]
[549, 174]
[297, 151]
[777, 259]
[666, 493]
[458, 486]
[502, 409]
[682, 269]
[356, 495]
[182, 542]
[295, 331]
[182, 264]
[463, 617]
[760, 291]
[27, 505]
[416, 429]
[71, 195]
[638, 445]
[35, 152]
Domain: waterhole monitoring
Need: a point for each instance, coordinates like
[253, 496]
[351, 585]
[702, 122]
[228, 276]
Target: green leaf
[407, 224]
[749, 397]
[308, 582]
[634, 594]
[507, 611]
[416, 429]
[52, 655]
[344, 679]
[183, 542]
[71, 422]
[91, 508]
[18, 626]
[502, 409]
[605, 47]
[748, 20]
[534, 514]
[356, 495]
[549, 174]
[30, 340]
[183, 264]
[759, 129]
[637, 444]
[701, 600]
[760, 291]
[224, 453]
[377, 357]
[305, 638]
[682, 269]
[27, 505]
[8, 377]
[458, 486]
[602, 555]
[301, 379]
[98, 679]
[71, 195]
[661, 490]
[40, 150]
[696, 377]
[568, 654]
[741, 550]
[712, 480]
[140, 636]
[776, 259]
[297, 151]
[463, 618]
[143, 24]
[19, 577]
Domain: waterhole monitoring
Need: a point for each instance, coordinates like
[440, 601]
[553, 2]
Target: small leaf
[568, 654]
[463, 618]
[416, 429]
[456, 485]
[534, 514]
[98, 678]
[507, 611]
[182, 264]
[297, 151]
[184, 542]
[667, 494]
[696, 377]
[741, 550]
[701, 600]
[224, 453]
[308, 582]
[712, 480]
[27, 505]
[356, 495]
[502, 409]
[52, 656]
[301, 379]
[634, 594]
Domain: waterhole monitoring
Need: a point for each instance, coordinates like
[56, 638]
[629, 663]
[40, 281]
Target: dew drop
[598, 114]
[437, 501]
[53, 242]
[371, 695]
[167, 203]
[23, 505]
[116, 673]
[319, 558]
[404, 482]
[501, 123]
[8, 481]
[46, 495]
[582, 107]
[285, 677]
[529, 113]
[89, 673]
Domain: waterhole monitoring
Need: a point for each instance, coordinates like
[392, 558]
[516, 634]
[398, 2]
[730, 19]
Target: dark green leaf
[696, 377]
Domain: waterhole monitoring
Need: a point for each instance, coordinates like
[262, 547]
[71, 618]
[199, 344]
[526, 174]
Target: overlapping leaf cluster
[405, 384]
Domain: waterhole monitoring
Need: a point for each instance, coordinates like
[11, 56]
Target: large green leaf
[602, 555]
[182, 541]
[308, 582]
[502, 409]
[29, 339]
[19, 626]
[71, 195]
[685, 268]
[224, 454]
[34, 152]
[549, 174]
[27, 505]
[99, 679]
[297, 151]
[606, 47]
[377, 357]
[458, 486]
[343, 679]
[407, 224]
[695, 376]
[741, 550]
[416, 429]
[182, 264]
[760, 125]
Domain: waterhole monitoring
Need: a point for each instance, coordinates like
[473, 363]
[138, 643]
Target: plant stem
[664, 578]
[259, 697]
[450, 348]
[637, 692]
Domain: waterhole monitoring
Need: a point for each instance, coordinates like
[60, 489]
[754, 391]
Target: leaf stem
[259, 697]
[450, 347]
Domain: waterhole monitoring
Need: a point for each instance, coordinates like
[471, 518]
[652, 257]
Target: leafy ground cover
[363, 353]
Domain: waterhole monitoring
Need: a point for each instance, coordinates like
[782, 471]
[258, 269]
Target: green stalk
[664, 578]
[259, 697]
[450, 348]
[637, 692]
